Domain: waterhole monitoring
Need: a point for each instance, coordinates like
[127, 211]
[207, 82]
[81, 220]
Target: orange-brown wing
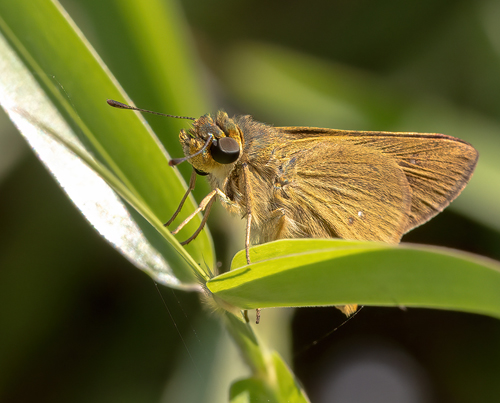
[326, 188]
[436, 166]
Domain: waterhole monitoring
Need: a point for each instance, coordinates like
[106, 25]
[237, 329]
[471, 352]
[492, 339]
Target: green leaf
[249, 390]
[55, 89]
[308, 272]
[288, 388]
[284, 390]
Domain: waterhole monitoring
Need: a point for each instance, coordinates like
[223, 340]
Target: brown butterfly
[306, 182]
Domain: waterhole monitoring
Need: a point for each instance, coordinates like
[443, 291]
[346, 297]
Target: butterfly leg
[192, 182]
[203, 222]
[248, 195]
[205, 205]
[247, 236]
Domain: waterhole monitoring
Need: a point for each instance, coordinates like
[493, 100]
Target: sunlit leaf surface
[308, 272]
[22, 98]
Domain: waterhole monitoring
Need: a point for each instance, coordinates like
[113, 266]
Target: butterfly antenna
[116, 104]
[175, 161]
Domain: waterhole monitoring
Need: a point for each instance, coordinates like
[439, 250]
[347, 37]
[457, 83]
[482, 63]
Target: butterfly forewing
[437, 167]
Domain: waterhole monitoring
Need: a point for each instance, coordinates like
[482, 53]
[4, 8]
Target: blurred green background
[79, 323]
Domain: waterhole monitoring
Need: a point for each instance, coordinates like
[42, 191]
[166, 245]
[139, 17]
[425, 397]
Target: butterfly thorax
[257, 142]
[261, 143]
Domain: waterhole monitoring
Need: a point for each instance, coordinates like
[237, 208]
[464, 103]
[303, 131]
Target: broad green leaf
[309, 273]
[263, 252]
[58, 88]
[93, 196]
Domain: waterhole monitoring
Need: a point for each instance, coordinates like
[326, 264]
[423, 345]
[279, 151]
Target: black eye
[225, 150]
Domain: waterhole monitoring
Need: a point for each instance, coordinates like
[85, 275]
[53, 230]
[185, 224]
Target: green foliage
[307, 272]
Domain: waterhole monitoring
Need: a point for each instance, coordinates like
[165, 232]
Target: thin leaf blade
[119, 142]
[371, 274]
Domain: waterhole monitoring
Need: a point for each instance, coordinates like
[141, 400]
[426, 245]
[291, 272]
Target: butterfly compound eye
[225, 150]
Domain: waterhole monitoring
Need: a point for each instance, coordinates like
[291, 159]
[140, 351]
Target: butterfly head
[211, 144]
